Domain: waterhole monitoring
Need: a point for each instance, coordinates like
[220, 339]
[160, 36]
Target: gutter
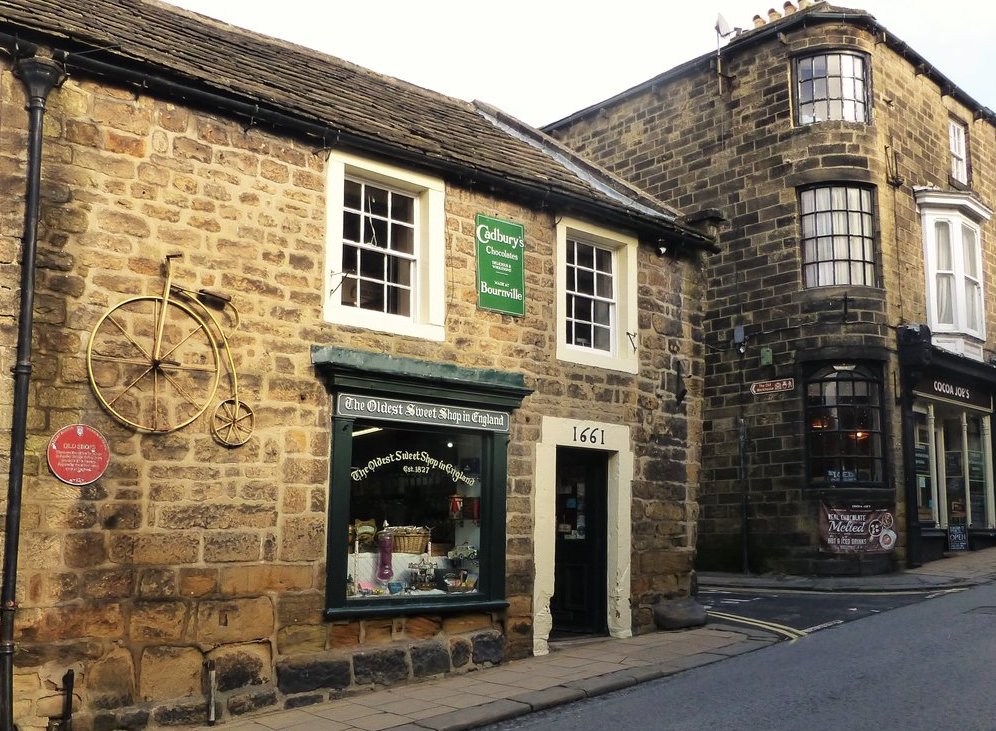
[39, 76]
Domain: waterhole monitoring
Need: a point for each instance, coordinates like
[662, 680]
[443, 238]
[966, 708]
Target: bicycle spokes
[155, 394]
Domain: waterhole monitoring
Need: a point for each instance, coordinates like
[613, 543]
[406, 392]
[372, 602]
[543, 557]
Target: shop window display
[415, 512]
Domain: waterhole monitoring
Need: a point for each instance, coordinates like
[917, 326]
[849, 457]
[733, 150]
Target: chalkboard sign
[957, 537]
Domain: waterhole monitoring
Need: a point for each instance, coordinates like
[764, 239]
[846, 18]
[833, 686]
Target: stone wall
[701, 141]
[187, 552]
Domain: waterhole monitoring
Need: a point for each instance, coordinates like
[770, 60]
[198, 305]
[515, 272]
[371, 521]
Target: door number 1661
[589, 435]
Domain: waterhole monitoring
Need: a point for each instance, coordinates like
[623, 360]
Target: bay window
[952, 250]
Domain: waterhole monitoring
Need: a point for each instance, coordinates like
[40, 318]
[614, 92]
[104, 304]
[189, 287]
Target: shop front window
[416, 508]
[965, 469]
[414, 512]
[844, 418]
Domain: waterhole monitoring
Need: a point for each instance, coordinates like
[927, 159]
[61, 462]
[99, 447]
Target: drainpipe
[39, 76]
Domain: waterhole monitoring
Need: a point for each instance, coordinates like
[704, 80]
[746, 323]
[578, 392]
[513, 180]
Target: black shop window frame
[444, 385]
[845, 426]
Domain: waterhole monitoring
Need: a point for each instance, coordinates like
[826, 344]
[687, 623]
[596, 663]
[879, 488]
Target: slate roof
[168, 50]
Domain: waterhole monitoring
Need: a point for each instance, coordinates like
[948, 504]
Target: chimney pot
[789, 8]
[773, 15]
[758, 21]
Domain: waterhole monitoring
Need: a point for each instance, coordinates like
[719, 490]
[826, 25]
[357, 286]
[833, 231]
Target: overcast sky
[541, 60]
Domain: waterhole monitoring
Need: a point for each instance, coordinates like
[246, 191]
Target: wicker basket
[409, 540]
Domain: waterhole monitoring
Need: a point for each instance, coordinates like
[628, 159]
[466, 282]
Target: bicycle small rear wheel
[149, 386]
[233, 422]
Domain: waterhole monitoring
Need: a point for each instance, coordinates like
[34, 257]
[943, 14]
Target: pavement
[584, 668]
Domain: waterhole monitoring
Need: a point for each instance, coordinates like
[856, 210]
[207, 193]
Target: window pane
[351, 226]
[402, 208]
[430, 482]
[602, 313]
[585, 256]
[372, 264]
[375, 201]
[942, 238]
[973, 298]
[603, 340]
[371, 295]
[603, 260]
[603, 285]
[945, 299]
[352, 195]
[376, 233]
[349, 255]
[970, 251]
[403, 238]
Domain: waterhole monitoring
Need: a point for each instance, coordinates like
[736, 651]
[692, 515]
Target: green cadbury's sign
[501, 271]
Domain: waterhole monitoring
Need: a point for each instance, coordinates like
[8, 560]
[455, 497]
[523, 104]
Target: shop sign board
[958, 537]
[415, 412]
[778, 385]
[501, 270]
[78, 454]
[857, 527]
[951, 390]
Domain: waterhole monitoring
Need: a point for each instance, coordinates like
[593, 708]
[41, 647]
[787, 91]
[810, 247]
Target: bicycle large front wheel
[148, 385]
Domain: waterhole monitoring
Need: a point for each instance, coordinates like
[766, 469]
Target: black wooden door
[579, 596]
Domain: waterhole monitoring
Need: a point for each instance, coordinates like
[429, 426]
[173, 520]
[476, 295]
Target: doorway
[578, 605]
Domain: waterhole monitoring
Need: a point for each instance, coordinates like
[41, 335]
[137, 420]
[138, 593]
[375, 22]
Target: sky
[541, 60]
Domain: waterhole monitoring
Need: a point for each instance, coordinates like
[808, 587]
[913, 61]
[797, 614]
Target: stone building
[849, 378]
[334, 381]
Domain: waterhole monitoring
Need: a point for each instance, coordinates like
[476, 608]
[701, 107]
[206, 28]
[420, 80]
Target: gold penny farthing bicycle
[154, 361]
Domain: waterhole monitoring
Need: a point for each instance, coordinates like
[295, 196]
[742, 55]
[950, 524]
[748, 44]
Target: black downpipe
[39, 77]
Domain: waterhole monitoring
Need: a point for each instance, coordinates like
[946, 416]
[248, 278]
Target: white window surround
[961, 216]
[623, 355]
[429, 306]
[958, 147]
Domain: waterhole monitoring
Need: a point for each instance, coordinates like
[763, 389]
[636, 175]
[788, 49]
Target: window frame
[819, 238]
[828, 82]
[622, 355]
[825, 418]
[428, 308]
[960, 171]
[961, 212]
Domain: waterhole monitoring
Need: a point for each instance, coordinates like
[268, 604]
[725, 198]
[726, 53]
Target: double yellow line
[781, 629]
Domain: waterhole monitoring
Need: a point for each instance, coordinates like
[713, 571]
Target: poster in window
[857, 527]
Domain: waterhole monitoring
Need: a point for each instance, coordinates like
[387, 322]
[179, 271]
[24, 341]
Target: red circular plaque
[78, 454]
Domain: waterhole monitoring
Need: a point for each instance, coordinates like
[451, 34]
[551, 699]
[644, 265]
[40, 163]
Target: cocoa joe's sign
[951, 390]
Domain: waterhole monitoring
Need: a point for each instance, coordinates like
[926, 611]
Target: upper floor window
[837, 228]
[386, 249]
[591, 295]
[958, 145]
[952, 251]
[845, 436]
[597, 296]
[831, 86]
